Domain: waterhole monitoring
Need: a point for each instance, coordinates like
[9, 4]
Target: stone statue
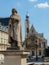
[13, 29]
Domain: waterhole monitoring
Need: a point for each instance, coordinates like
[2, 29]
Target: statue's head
[15, 14]
[14, 11]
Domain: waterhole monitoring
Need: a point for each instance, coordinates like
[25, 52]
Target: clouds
[42, 5]
[32, 0]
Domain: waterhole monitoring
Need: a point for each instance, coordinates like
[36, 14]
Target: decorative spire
[27, 16]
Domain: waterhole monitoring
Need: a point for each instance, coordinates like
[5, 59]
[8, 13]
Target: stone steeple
[27, 25]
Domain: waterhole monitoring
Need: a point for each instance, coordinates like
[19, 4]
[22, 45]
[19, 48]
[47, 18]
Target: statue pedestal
[15, 57]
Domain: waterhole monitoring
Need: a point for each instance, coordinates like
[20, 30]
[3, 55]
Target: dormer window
[36, 41]
[39, 52]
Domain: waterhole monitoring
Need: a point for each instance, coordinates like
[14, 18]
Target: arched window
[39, 52]
[27, 30]
[40, 45]
[44, 45]
[33, 53]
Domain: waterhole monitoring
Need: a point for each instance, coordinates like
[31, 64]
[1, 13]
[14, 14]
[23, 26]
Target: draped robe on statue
[15, 32]
[13, 28]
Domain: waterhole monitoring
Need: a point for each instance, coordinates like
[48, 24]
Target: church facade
[33, 40]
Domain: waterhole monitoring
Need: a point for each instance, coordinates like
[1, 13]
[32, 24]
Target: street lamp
[36, 46]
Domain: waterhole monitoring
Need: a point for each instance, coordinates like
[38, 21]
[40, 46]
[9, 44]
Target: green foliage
[48, 47]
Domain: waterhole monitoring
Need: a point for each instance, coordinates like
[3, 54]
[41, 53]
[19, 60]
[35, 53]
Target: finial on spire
[27, 15]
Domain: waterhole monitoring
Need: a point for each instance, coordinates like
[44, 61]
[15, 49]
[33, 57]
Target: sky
[38, 12]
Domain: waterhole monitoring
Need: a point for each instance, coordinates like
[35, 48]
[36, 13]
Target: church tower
[27, 25]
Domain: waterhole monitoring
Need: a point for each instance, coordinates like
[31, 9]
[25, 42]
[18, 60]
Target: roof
[4, 24]
[4, 21]
[33, 30]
